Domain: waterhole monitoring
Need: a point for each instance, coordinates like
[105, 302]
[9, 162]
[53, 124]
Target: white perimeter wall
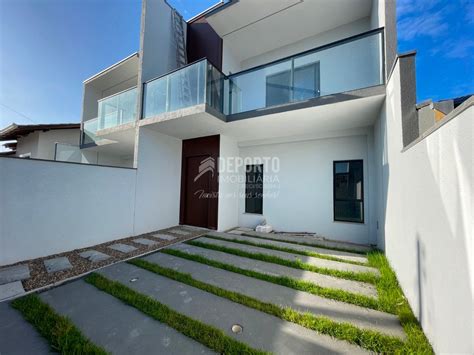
[51, 207]
[426, 202]
[158, 181]
[228, 208]
[304, 190]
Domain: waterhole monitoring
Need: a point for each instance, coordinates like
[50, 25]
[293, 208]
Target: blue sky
[48, 47]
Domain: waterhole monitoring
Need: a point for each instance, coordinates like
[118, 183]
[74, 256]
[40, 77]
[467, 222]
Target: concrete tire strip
[327, 252]
[280, 270]
[323, 263]
[17, 336]
[115, 326]
[311, 240]
[280, 295]
[260, 330]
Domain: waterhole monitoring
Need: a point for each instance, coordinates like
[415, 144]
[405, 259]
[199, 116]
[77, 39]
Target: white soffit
[252, 27]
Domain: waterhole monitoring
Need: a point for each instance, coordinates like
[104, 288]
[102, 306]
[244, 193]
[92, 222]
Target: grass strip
[368, 339]
[207, 335]
[306, 244]
[59, 331]
[335, 294]
[296, 264]
[288, 250]
[391, 298]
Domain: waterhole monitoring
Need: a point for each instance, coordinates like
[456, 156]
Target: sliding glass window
[349, 191]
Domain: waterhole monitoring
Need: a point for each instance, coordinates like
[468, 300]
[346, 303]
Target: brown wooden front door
[199, 182]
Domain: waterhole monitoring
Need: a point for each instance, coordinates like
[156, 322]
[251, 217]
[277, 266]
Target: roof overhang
[15, 131]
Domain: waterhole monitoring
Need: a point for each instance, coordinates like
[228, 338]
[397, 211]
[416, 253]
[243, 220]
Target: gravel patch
[40, 277]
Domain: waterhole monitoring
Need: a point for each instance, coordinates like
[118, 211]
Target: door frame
[197, 147]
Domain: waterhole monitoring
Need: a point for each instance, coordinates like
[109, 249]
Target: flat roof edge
[95, 76]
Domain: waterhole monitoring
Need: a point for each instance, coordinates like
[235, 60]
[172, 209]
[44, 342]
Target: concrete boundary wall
[426, 205]
[48, 207]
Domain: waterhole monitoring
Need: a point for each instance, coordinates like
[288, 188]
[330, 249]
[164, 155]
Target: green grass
[306, 244]
[288, 250]
[335, 294]
[371, 340]
[391, 298]
[297, 264]
[207, 335]
[59, 331]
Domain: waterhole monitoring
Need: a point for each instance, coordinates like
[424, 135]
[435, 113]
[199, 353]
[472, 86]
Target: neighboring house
[38, 141]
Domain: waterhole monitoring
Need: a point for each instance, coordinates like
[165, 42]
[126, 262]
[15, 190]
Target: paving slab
[11, 289]
[17, 336]
[312, 240]
[145, 241]
[236, 231]
[280, 270]
[164, 236]
[14, 273]
[260, 330]
[194, 228]
[123, 248]
[94, 256]
[323, 263]
[287, 297]
[329, 252]
[57, 264]
[117, 327]
[179, 231]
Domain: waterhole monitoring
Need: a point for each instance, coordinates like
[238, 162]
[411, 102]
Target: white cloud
[462, 48]
[424, 24]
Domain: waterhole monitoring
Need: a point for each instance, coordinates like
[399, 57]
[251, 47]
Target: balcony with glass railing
[117, 109]
[343, 66]
[350, 64]
[195, 84]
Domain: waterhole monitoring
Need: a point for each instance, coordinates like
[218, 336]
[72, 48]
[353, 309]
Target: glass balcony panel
[215, 88]
[118, 109]
[348, 66]
[90, 128]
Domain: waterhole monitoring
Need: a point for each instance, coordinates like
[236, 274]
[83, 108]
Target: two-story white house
[285, 97]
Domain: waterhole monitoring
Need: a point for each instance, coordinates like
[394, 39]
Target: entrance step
[118, 328]
[123, 248]
[14, 273]
[280, 270]
[311, 240]
[57, 264]
[323, 263]
[260, 330]
[10, 290]
[17, 336]
[94, 256]
[283, 296]
[328, 252]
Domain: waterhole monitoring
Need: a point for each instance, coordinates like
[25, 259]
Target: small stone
[179, 231]
[123, 248]
[145, 241]
[94, 256]
[164, 236]
[14, 273]
[57, 264]
[11, 289]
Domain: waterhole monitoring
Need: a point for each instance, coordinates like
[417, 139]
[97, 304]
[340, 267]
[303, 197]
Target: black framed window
[254, 189]
[349, 191]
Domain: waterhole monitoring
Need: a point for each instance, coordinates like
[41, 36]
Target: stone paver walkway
[94, 256]
[57, 264]
[179, 232]
[10, 290]
[145, 241]
[123, 248]
[14, 273]
[164, 236]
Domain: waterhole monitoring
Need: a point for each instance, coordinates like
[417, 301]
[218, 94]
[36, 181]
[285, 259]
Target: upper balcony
[336, 69]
